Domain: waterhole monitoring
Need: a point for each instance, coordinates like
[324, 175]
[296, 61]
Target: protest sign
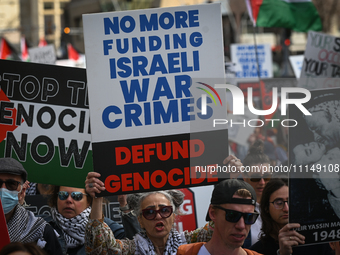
[321, 65]
[247, 65]
[296, 63]
[147, 71]
[187, 218]
[43, 55]
[314, 167]
[4, 236]
[44, 121]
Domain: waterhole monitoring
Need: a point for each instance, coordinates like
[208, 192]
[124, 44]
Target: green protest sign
[44, 121]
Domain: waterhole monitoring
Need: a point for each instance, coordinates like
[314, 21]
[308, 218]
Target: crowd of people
[248, 213]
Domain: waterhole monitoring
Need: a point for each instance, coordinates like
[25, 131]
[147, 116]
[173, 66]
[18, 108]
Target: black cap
[12, 166]
[224, 191]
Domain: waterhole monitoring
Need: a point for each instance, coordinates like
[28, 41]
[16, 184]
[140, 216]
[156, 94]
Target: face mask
[9, 199]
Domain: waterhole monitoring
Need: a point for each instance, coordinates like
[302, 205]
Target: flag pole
[259, 77]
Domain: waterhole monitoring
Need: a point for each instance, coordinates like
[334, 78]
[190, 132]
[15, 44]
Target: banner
[151, 77]
[314, 186]
[44, 121]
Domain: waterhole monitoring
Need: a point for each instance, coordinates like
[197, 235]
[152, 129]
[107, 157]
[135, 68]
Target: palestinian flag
[298, 15]
[5, 49]
[72, 53]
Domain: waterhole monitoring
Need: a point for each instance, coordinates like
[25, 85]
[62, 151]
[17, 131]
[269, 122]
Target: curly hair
[53, 198]
[175, 197]
[269, 227]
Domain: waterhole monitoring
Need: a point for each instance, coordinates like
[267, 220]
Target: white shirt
[203, 251]
[256, 227]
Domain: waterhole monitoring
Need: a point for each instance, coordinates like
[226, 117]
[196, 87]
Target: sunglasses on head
[164, 212]
[258, 177]
[10, 184]
[76, 195]
[235, 216]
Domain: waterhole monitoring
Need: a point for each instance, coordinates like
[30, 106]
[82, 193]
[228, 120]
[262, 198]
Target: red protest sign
[4, 237]
[187, 220]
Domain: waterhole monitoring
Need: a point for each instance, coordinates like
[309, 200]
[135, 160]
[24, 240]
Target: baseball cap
[224, 191]
[12, 166]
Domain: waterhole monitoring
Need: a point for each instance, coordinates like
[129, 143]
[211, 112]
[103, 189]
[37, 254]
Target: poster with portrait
[314, 183]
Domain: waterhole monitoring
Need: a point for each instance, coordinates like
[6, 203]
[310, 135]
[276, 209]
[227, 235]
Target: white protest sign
[43, 55]
[247, 65]
[321, 65]
[148, 73]
[296, 62]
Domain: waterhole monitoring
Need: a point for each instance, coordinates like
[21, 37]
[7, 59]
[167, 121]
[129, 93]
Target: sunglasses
[235, 216]
[257, 177]
[10, 184]
[279, 203]
[76, 195]
[164, 212]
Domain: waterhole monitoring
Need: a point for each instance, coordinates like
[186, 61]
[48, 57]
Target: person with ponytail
[256, 171]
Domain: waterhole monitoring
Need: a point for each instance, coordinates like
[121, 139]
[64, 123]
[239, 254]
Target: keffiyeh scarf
[144, 246]
[24, 227]
[74, 228]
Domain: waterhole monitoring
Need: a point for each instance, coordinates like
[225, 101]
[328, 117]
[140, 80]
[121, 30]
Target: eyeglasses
[258, 177]
[76, 195]
[279, 203]
[235, 216]
[164, 212]
[10, 184]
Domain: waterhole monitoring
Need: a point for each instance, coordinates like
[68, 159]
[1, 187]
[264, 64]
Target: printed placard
[314, 167]
[151, 77]
[250, 66]
[44, 121]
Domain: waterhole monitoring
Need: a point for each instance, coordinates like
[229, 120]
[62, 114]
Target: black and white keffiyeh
[24, 227]
[74, 228]
[144, 246]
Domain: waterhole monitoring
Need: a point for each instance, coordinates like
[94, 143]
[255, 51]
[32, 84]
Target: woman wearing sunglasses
[277, 236]
[257, 173]
[70, 211]
[156, 213]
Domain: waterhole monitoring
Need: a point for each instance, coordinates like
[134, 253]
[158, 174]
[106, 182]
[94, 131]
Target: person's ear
[140, 221]
[212, 213]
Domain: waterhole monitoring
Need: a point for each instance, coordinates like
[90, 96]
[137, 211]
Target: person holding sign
[278, 236]
[22, 225]
[70, 210]
[156, 213]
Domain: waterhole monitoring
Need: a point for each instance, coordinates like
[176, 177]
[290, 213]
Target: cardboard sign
[43, 55]
[151, 77]
[314, 167]
[4, 236]
[44, 121]
[243, 55]
[321, 65]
